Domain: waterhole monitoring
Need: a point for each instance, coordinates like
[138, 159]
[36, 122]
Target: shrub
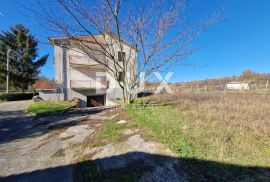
[15, 96]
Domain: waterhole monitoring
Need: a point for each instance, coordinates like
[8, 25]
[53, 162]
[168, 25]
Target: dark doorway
[95, 100]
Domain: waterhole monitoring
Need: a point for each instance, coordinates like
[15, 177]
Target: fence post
[266, 86]
[256, 87]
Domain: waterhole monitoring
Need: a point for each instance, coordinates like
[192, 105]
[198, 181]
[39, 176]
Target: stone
[37, 98]
[76, 134]
[99, 117]
[90, 151]
[65, 121]
[99, 125]
[126, 132]
[138, 153]
[122, 122]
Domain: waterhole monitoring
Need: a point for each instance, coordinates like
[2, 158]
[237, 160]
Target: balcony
[101, 83]
[85, 62]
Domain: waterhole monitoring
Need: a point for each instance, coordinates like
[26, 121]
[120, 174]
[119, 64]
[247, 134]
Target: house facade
[78, 75]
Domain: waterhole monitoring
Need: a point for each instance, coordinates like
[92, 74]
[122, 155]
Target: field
[219, 136]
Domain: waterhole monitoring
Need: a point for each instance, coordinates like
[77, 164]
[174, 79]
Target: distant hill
[257, 80]
[248, 75]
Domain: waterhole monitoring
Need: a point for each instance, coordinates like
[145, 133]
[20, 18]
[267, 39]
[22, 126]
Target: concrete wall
[51, 95]
[58, 61]
[131, 54]
[82, 95]
[64, 73]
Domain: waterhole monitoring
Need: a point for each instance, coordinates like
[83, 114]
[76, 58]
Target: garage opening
[95, 100]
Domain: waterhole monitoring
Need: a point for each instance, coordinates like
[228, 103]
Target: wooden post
[266, 86]
[256, 86]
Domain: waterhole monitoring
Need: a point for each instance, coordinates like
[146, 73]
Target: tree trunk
[22, 88]
[126, 96]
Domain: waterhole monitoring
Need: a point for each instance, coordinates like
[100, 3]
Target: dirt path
[85, 146]
[31, 148]
[119, 151]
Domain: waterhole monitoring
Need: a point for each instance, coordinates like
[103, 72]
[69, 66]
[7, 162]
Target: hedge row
[15, 96]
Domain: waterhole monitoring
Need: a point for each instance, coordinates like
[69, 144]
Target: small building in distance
[237, 86]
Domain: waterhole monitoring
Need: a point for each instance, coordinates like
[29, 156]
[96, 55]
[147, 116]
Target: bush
[15, 96]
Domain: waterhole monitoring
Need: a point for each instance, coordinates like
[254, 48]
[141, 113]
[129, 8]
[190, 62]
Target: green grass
[162, 123]
[110, 131]
[193, 133]
[46, 108]
[108, 134]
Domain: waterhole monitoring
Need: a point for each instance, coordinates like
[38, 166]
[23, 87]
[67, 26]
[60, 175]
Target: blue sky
[239, 42]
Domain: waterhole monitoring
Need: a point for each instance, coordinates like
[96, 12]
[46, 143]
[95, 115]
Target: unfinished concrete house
[78, 74]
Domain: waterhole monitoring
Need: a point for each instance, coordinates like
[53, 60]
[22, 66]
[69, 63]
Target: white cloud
[1, 14]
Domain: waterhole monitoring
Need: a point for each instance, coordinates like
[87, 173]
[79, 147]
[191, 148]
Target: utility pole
[7, 85]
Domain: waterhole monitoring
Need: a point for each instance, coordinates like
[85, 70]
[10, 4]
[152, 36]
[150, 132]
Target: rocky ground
[124, 154]
[87, 146]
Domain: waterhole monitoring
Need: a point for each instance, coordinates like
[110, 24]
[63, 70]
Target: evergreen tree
[24, 60]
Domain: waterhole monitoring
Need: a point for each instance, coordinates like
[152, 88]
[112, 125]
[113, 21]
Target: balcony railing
[101, 83]
[84, 61]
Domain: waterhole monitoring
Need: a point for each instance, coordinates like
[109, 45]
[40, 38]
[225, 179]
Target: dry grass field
[227, 129]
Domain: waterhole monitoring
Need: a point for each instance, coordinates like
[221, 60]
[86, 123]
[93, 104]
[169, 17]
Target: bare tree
[157, 32]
